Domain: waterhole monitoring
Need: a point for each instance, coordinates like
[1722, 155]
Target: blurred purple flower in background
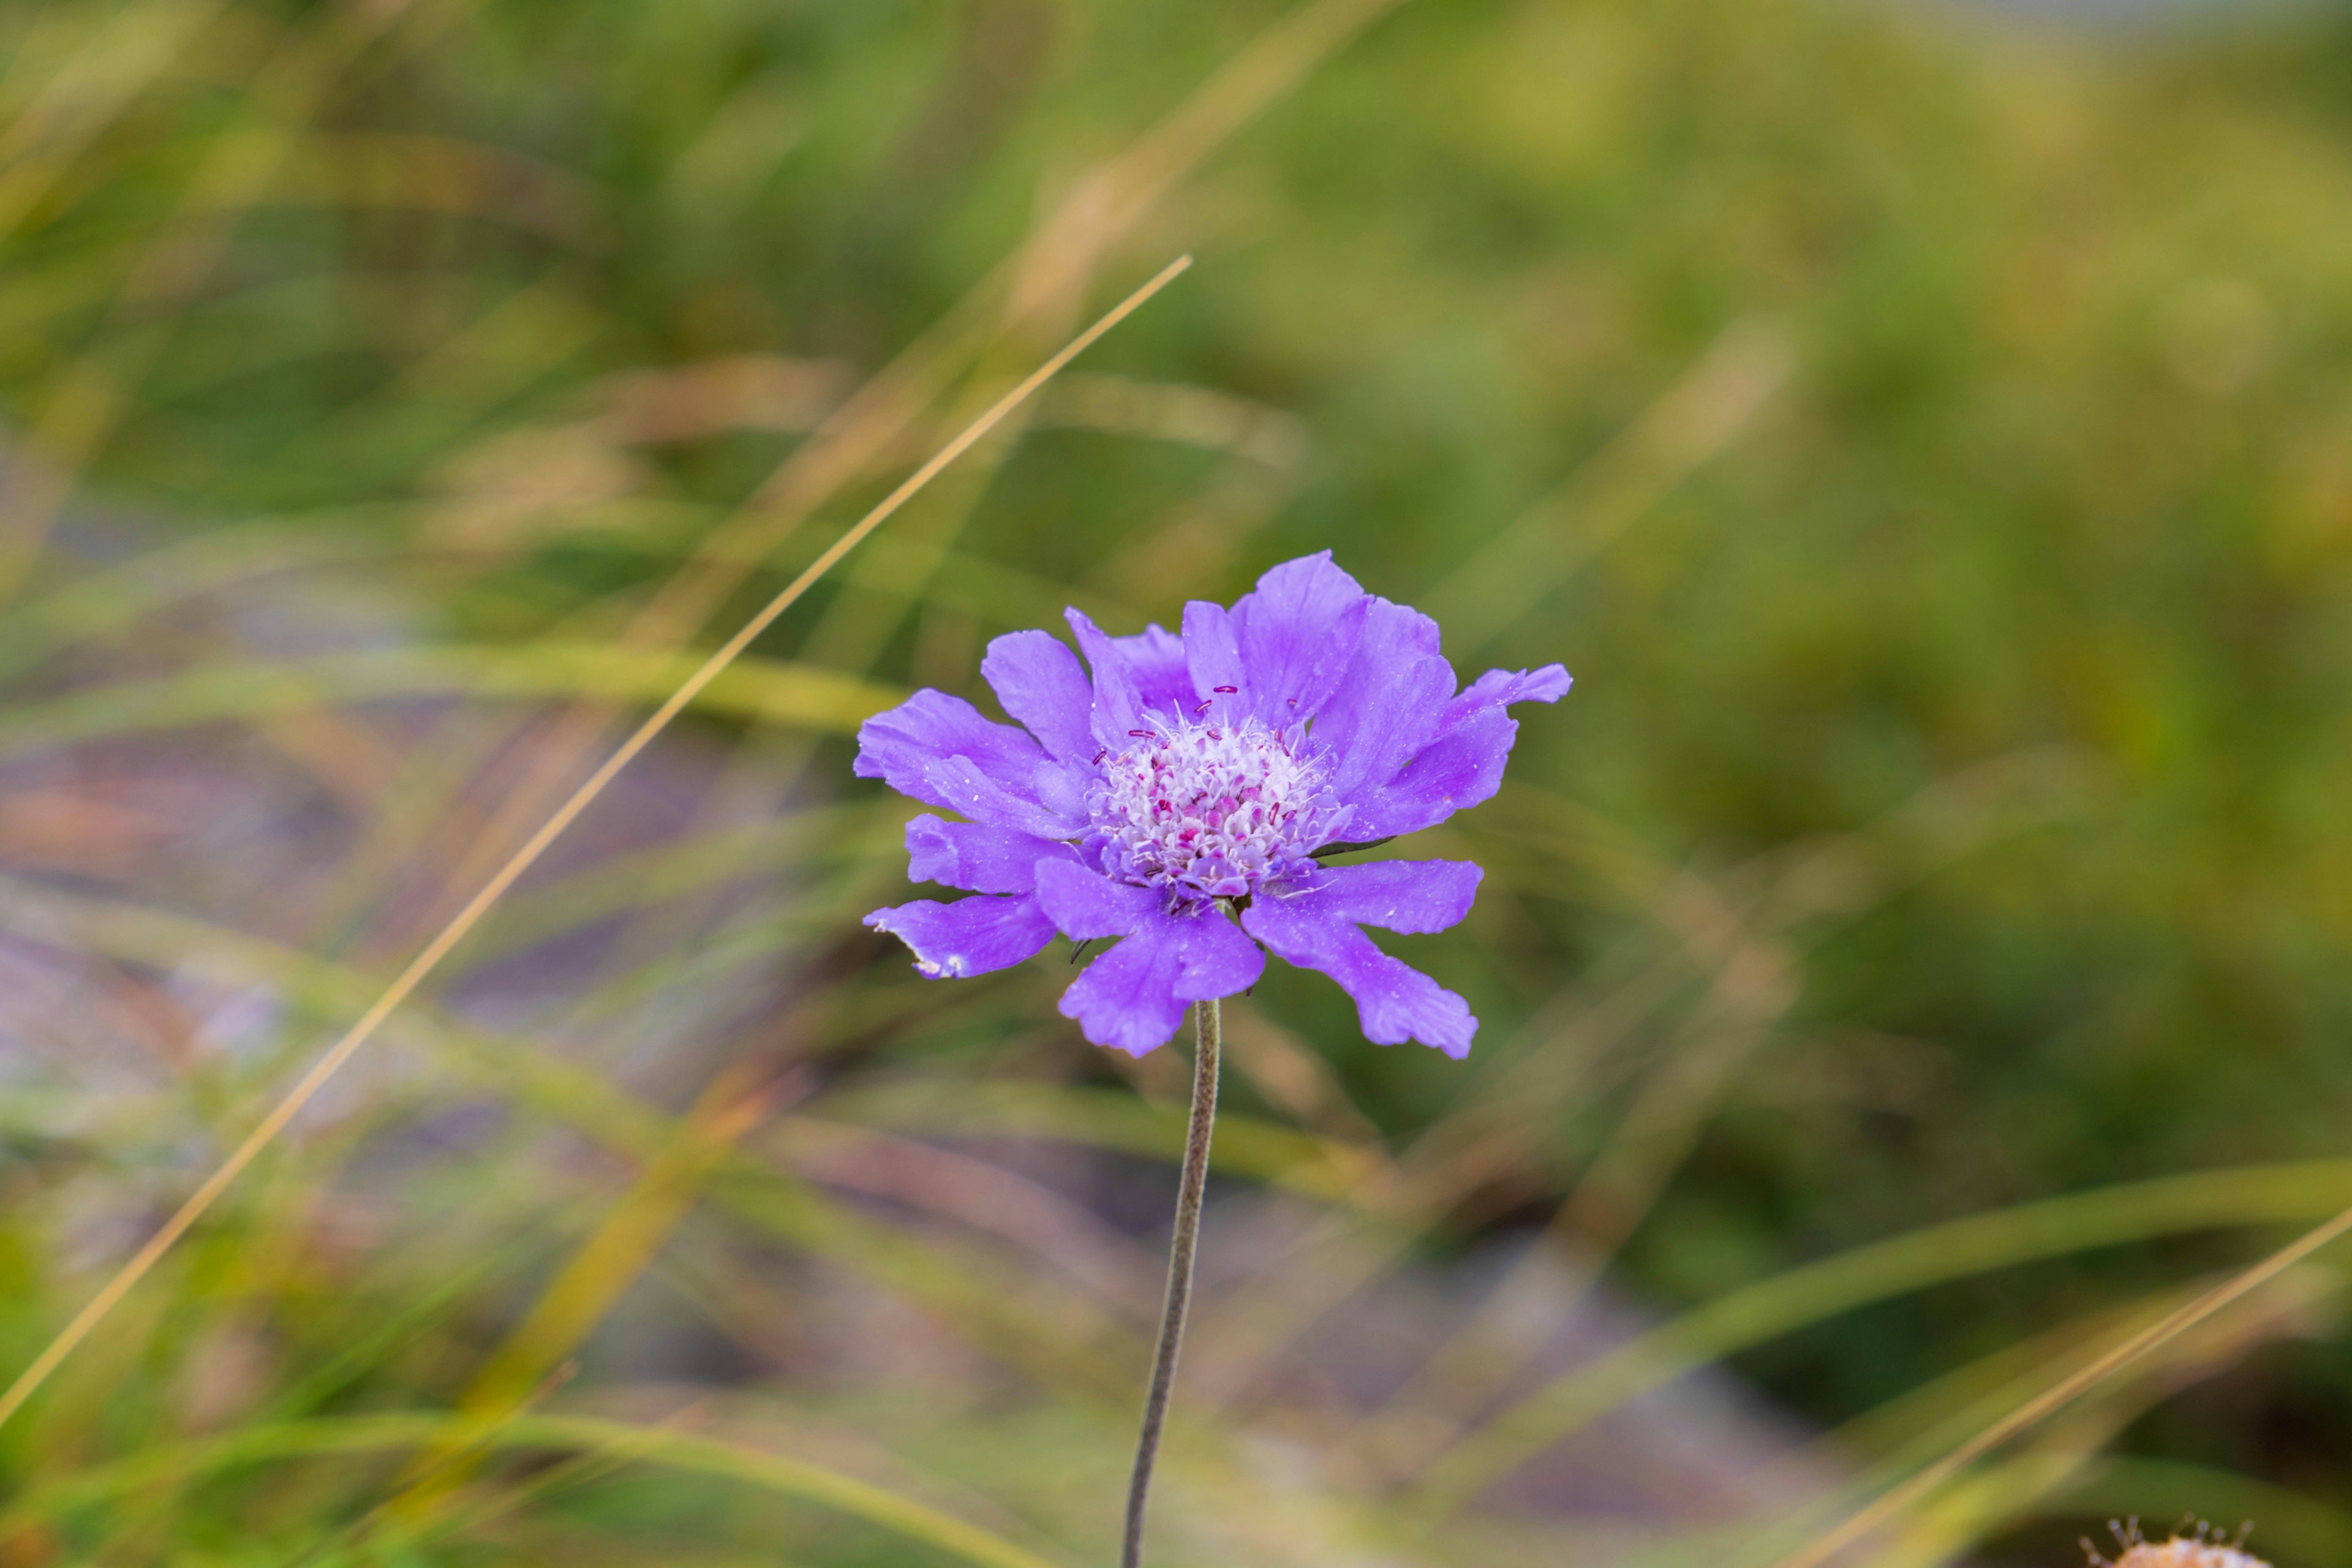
[1196, 777]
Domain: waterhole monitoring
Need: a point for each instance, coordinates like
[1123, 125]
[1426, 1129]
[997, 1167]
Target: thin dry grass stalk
[465, 919]
[2065, 1393]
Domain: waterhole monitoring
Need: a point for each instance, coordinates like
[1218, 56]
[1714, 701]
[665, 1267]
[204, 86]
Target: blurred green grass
[1926, 442]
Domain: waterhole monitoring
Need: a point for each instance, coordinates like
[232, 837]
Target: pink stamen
[1210, 811]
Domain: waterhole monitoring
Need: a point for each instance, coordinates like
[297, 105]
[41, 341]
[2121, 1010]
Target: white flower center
[1209, 809]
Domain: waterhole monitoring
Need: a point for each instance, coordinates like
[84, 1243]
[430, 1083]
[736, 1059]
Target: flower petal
[1155, 662]
[1213, 653]
[1394, 1001]
[1463, 763]
[1127, 997]
[939, 750]
[1133, 996]
[1299, 634]
[1501, 688]
[1087, 904]
[976, 855]
[1411, 896]
[1445, 776]
[971, 936]
[1388, 705]
[1118, 707]
[1041, 683]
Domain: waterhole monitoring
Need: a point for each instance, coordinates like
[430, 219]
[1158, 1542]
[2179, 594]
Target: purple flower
[1189, 781]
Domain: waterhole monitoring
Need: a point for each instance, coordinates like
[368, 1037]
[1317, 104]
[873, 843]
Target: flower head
[1174, 784]
[2196, 1544]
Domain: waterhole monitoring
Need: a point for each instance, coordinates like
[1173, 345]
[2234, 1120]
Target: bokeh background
[1918, 953]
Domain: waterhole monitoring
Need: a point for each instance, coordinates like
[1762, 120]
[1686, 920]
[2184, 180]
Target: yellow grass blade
[763, 691]
[676, 1450]
[2062, 1393]
[1914, 1260]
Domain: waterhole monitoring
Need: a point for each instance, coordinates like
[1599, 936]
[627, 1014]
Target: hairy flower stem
[1210, 1026]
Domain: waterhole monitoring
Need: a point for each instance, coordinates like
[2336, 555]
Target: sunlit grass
[1912, 960]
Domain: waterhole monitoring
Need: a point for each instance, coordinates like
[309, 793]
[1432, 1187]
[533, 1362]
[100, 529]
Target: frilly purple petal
[1298, 636]
[1134, 995]
[1221, 685]
[977, 857]
[1501, 688]
[1119, 707]
[1042, 684]
[1388, 703]
[1155, 665]
[1394, 1001]
[939, 750]
[1462, 764]
[977, 935]
[1087, 904]
[1415, 897]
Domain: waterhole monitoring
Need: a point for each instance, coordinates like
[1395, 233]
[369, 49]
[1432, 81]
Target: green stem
[1187, 1239]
